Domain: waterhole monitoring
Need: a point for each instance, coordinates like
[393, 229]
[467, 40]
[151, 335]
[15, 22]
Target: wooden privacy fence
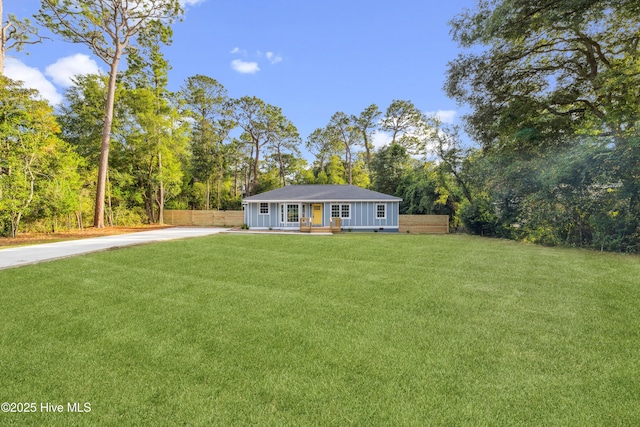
[424, 224]
[204, 218]
[417, 224]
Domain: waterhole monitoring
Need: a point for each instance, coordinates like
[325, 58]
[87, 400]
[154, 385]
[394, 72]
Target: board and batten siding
[253, 217]
[363, 215]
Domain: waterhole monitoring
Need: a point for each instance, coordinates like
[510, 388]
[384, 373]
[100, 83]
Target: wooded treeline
[194, 149]
[553, 90]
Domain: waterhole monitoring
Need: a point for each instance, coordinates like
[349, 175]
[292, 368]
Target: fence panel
[424, 224]
[204, 218]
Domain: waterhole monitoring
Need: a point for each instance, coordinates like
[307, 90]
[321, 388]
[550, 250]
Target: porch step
[319, 230]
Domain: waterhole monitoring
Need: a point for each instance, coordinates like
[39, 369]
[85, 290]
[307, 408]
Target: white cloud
[379, 139]
[184, 3]
[273, 58]
[64, 69]
[237, 51]
[245, 67]
[445, 116]
[32, 78]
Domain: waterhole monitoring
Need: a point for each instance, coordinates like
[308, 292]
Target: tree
[553, 89]
[14, 34]
[160, 134]
[405, 122]
[262, 125]
[30, 152]
[322, 145]
[207, 104]
[549, 70]
[250, 114]
[342, 129]
[60, 189]
[81, 116]
[81, 120]
[361, 174]
[108, 28]
[422, 192]
[389, 167]
[239, 158]
[450, 150]
[284, 146]
[335, 172]
[366, 123]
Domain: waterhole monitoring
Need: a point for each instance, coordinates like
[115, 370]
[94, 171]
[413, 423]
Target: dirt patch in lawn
[34, 238]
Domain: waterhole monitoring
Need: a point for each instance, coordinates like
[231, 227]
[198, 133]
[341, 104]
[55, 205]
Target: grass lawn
[353, 329]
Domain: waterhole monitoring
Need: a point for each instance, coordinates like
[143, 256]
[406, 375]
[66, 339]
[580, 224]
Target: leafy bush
[479, 217]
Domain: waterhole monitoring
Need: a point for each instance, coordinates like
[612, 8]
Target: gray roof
[321, 193]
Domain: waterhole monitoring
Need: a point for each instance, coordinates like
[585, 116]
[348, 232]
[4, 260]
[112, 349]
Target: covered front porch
[307, 226]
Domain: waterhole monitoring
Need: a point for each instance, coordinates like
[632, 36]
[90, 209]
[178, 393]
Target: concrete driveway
[24, 255]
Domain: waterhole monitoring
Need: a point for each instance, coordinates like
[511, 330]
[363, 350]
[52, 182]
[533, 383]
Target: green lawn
[353, 329]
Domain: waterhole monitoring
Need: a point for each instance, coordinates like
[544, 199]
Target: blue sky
[311, 58]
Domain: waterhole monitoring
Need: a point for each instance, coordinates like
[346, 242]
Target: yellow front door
[316, 214]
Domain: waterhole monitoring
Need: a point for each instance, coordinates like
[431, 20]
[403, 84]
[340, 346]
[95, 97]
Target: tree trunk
[347, 158]
[110, 217]
[218, 191]
[207, 194]
[98, 218]
[247, 187]
[284, 182]
[161, 191]
[79, 221]
[255, 169]
[235, 180]
[3, 39]
[150, 199]
[15, 219]
[367, 150]
[219, 175]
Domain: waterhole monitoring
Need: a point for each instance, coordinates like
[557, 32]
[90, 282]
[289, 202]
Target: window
[341, 211]
[381, 211]
[264, 208]
[292, 213]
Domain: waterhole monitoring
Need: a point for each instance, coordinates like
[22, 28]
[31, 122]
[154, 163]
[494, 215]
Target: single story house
[321, 206]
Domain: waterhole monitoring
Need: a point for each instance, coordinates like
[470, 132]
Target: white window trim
[287, 213]
[340, 210]
[260, 208]
[331, 210]
[342, 213]
[283, 214]
[384, 206]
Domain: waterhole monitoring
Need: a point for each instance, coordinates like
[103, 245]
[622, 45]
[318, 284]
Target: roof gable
[321, 193]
